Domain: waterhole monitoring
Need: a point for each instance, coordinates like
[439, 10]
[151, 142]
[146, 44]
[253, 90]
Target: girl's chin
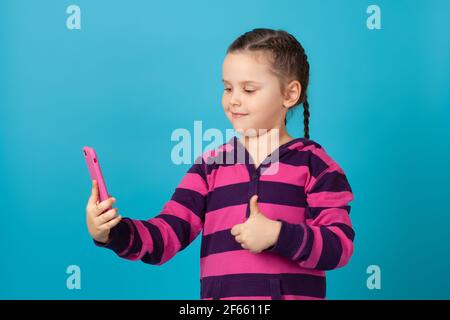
[245, 131]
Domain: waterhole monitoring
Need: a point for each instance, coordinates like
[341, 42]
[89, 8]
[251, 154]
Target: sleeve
[325, 240]
[181, 219]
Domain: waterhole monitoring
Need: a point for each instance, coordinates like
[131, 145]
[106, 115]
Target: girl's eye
[245, 90]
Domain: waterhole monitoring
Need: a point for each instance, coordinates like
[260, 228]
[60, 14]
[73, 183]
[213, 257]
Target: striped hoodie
[303, 188]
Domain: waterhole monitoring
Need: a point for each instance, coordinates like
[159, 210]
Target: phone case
[95, 171]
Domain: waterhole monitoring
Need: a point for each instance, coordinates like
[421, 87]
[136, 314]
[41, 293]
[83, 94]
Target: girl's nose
[234, 100]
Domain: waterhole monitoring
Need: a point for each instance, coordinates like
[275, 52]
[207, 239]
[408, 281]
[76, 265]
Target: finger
[236, 230]
[94, 194]
[105, 205]
[254, 204]
[107, 216]
[238, 239]
[112, 223]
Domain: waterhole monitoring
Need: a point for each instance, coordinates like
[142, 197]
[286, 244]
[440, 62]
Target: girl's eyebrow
[244, 82]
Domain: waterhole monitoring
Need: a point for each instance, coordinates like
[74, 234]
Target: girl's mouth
[238, 115]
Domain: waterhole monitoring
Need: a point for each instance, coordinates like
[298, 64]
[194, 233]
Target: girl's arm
[158, 239]
[325, 240]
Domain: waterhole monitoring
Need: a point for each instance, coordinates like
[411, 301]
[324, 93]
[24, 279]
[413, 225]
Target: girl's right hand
[100, 220]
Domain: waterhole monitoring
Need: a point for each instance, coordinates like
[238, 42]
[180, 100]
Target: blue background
[138, 70]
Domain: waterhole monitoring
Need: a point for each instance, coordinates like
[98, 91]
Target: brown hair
[289, 61]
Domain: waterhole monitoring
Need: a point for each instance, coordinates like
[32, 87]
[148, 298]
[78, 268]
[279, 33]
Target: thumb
[94, 193]
[254, 210]
[236, 230]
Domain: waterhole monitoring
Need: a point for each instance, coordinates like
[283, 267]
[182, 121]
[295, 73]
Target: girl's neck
[280, 137]
[264, 144]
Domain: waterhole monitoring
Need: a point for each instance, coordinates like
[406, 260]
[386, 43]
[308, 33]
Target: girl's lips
[238, 115]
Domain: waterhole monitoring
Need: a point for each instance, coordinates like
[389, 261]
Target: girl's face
[252, 98]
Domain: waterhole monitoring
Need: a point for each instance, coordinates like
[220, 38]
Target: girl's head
[265, 74]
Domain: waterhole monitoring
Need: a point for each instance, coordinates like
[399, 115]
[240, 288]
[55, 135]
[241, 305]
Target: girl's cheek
[224, 102]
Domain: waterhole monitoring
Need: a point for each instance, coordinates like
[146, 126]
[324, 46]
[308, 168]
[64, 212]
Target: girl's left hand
[258, 232]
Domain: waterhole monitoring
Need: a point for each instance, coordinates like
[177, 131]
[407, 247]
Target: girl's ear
[292, 93]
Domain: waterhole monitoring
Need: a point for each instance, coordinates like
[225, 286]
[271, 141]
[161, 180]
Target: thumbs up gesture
[258, 232]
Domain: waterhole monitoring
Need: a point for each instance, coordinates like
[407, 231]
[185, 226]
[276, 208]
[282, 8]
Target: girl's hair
[288, 58]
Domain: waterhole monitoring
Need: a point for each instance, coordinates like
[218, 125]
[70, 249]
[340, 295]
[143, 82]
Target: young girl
[267, 234]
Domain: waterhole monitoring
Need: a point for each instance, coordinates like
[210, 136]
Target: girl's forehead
[245, 67]
[255, 59]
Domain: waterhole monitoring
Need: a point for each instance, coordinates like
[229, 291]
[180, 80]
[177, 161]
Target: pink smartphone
[96, 172]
